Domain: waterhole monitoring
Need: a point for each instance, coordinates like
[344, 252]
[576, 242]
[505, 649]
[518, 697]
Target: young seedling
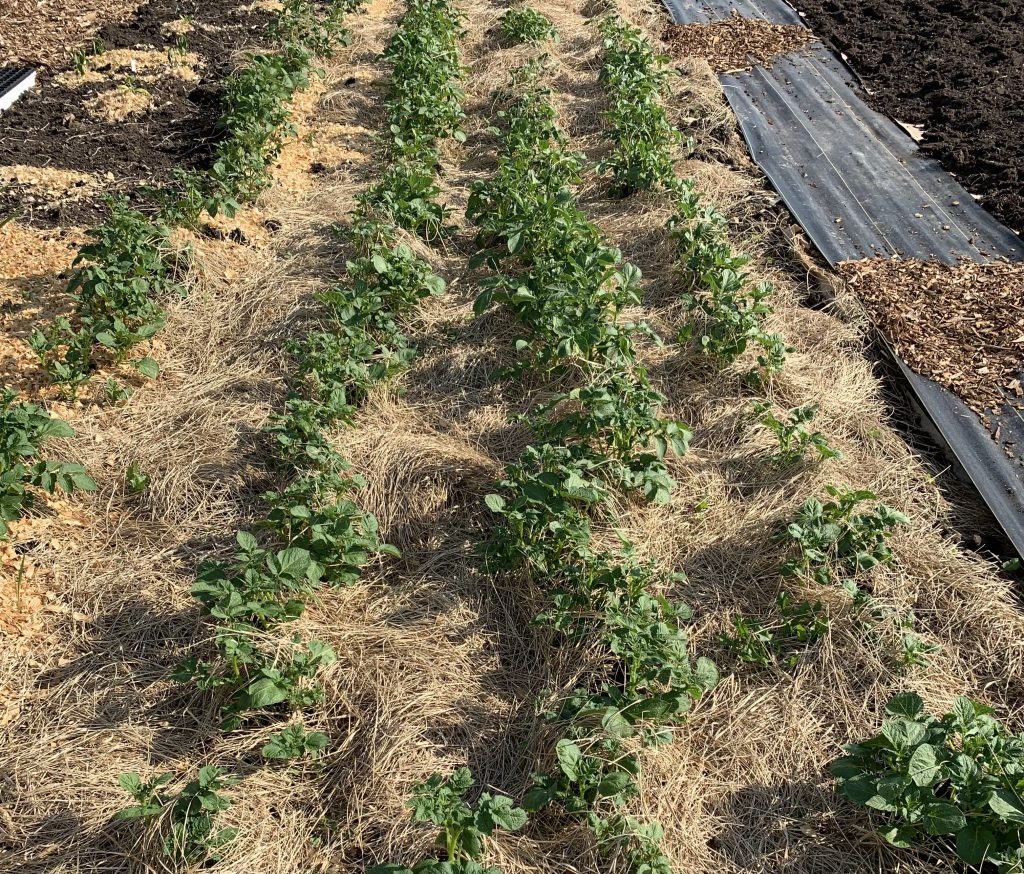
[799, 624]
[464, 827]
[24, 428]
[136, 481]
[295, 742]
[794, 434]
[188, 819]
[834, 541]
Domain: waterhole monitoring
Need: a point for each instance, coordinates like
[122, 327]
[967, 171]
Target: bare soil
[954, 68]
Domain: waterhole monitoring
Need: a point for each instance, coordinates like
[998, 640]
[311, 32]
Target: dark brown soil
[952, 67]
[52, 126]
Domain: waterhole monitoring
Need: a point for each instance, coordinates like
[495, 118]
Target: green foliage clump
[464, 827]
[568, 290]
[729, 307]
[835, 542]
[955, 781]
[794, 436]
[426, 97]
[187, 819]
[524, 24]
[24, 428]
[644, 140]
[798, 625]
[120, 281]
[124, 274]
[294, 742]
[424, 104]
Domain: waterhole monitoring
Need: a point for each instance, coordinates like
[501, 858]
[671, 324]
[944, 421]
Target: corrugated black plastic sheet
[857, 184]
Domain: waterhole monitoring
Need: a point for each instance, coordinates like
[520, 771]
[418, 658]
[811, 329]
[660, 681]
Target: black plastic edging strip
[14, 81]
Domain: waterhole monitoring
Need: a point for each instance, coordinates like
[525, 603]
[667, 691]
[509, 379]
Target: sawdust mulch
[961, 326]
[41, 33]
[735, 42]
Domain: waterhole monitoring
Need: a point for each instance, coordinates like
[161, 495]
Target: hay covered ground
[438, 665]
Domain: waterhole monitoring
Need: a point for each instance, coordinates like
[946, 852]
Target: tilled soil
[952, 67]
[168, 62]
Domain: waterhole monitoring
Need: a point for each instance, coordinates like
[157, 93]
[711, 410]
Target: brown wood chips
[41, 33]
[735, 43]
[961, 326]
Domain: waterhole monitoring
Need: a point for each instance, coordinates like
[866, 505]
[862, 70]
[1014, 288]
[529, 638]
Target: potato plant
[294, 742]
[834, 541]
[836, 544]
[643, 139]
[425, 100]
[794, 436]
[524, 24]
[187, 820]
[24, 428]
[120, 280]
[125, 273]
[464, 827]
[424, 104]
[955, 781]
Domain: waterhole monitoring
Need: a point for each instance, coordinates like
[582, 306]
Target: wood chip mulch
[735, 43]
[42, 33]
[961, 326]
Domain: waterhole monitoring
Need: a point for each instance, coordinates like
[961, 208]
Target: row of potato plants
[313, 534]
[567, 288]
[726, 310]
[644, 140]
[123, 276]
[957, 780]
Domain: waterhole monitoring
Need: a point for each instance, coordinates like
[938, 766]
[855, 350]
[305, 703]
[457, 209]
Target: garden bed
[364, 376]
[955, 70]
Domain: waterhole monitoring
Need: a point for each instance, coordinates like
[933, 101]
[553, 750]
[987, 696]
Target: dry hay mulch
[962, 326]
[439, 665]
[41, 32]
[736, 42]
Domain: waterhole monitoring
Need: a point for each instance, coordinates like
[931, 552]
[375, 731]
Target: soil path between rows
[952, 67]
